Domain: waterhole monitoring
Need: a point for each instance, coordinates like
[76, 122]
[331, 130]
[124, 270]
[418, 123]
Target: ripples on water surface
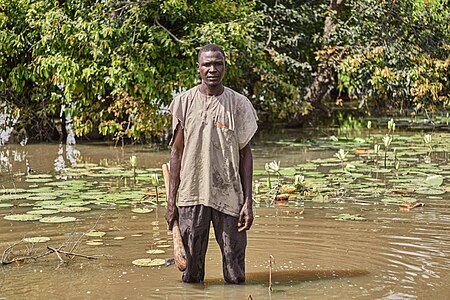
[392, 255]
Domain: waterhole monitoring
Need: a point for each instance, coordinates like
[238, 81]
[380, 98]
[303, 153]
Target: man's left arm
[246, 173]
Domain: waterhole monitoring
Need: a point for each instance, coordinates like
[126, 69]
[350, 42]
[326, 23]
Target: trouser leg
[194, 226]
[232, 244]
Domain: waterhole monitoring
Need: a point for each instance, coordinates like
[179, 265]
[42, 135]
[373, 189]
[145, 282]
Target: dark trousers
[194, 226]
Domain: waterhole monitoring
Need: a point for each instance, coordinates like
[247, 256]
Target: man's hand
[171, 215]
[245, 217]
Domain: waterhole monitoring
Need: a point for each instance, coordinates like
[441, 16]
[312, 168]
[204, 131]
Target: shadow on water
[290, 277]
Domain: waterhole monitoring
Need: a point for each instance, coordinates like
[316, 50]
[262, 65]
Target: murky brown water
[393, 255]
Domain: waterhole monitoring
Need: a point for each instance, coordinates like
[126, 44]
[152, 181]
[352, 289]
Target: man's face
[211, 66]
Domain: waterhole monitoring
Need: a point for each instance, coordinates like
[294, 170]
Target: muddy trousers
[194, 226]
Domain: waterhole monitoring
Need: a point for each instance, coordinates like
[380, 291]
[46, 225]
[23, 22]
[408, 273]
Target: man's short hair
[210, 48]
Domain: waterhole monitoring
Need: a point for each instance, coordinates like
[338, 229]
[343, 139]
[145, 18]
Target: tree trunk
[325, 73]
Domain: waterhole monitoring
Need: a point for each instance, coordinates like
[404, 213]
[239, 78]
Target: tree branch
[170, 33]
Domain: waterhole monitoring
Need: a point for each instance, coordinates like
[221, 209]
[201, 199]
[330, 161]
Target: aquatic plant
[341, 154]
[376, 150]
[391, 126]
[427, 140]
[133, 163]
[298, 182]
[387, 140]
[155, 182]
[272, 167]
[369, 127]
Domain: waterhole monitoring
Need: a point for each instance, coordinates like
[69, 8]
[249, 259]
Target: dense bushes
[115, 65]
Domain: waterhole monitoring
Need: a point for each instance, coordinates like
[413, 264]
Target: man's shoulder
[185, 95]
[235, 95]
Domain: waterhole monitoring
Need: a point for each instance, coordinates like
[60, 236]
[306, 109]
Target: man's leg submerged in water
[194, 226]
[232, 244]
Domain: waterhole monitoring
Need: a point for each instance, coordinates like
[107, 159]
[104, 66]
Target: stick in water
[178, 248]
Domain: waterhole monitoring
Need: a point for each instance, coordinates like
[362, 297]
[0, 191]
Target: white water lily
[299, 179]
[391, 125]
[274, 166]
[341, 154]
[387, 141]
[376, 148]
[369, 124]
[133, 161]
[155, 179]
[427, 139]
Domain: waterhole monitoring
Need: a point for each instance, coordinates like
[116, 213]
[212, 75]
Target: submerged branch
[57, 250]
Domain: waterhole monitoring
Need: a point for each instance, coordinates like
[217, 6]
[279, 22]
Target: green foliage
[396, 53]
[114, 66]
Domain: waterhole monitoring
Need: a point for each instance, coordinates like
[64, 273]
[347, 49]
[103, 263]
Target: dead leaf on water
[294, 213]
[408, 206]
[401, 192]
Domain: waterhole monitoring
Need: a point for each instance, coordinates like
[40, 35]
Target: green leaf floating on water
[350, 217]
[74, 209]
[96, 233]
[142, 210]
[155, 251]
[148, 262]
[57, 219]
[43, 212]
[6, 205]
[23, 217]
[434, 180]
[36, 239]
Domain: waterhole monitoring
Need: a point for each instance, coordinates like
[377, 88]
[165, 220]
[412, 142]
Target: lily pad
[142, 210]
[74, 209]
[148, 262]
[36, 239]
[94, 243]
[96, 233]
[434, 180]
[57, 219]
[22, 217]
[6, 205]
[155, 251]
[43, 212]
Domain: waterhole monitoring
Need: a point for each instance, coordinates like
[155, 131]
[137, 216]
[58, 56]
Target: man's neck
[211, 90]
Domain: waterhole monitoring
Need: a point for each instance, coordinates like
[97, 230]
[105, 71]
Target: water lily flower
[387, 141]
[133, 161]
[274, 166]
[369, 124]
[391, 125]
[376, 148]
[299, 179]
[155, 179]
[341, 154]
[427, 138]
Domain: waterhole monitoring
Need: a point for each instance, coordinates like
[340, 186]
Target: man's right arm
[176, 155]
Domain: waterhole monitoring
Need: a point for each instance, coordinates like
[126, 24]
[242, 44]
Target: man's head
[211, 65]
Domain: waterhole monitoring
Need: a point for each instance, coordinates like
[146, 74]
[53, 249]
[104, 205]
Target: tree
[112, 66]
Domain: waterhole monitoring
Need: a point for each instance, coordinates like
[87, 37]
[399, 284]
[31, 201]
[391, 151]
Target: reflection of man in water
[211, 169]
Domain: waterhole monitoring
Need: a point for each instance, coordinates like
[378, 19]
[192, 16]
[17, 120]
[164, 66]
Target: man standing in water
[211, 167]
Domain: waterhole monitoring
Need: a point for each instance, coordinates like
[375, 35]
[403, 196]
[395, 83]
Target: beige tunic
[215, 129]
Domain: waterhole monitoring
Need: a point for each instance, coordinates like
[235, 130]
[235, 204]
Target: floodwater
[392, 255]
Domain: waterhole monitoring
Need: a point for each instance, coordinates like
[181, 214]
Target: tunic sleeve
[246, 122]
[178, 115]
